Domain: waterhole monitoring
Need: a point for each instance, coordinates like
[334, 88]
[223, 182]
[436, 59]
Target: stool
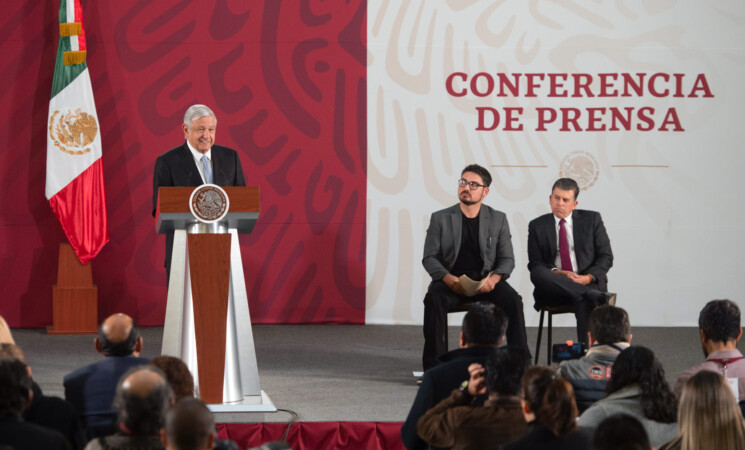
[551, 310]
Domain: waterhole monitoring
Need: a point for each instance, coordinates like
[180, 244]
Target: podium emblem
[209, 203]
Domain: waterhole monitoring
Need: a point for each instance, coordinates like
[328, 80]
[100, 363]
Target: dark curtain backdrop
[287, 80]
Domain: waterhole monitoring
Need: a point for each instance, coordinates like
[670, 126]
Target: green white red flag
[75, 186]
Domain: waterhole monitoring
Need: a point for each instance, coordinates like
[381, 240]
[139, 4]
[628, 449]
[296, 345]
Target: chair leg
[549, 335]
[538, 343]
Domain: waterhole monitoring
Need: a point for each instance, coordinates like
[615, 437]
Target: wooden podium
[207, 323]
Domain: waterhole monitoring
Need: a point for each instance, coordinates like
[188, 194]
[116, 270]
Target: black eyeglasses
[472, 185]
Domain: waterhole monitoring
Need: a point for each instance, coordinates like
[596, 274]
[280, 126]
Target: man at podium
[197, 161]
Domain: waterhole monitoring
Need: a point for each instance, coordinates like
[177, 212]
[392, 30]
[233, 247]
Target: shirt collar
[568, 220]
[197, 155]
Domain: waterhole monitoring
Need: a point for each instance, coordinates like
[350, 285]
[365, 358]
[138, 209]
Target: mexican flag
[75, 187]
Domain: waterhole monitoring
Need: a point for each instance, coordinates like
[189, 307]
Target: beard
[468, 200]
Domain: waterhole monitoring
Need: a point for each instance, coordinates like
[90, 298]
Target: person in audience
[709, 416]
[549, 408]
[5, 336]
[719, 327]
[15, 394]
[483, 328]
[454, 423]
[91, 388]
[621, 432]
[49, 412]
[637, 388]
[189, 426]
[609, 335]
[177, 374]
[142, 398]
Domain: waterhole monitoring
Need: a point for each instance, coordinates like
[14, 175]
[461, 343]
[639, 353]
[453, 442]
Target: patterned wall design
[287, 81]
[668, 198]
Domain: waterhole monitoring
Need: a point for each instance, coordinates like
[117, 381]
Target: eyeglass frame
[472, 185]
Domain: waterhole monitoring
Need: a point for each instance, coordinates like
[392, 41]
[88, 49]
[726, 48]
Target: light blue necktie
[207, 169]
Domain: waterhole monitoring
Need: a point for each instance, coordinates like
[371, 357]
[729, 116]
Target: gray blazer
[442, 243]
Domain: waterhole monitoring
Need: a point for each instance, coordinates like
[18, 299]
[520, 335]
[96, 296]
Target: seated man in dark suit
[471, 239]
[47, 411]
[569, 256]
[15, 394]
[91, 388]
[609, 335]
[483, 329]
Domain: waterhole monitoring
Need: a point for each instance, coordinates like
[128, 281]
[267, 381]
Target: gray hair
[197, 112]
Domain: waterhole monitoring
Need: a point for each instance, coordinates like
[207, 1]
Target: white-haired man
[197, 161]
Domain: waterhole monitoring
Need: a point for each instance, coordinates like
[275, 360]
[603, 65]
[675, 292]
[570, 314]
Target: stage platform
[331, 373]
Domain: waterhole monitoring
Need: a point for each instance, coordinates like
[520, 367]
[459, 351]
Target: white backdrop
[675, 218]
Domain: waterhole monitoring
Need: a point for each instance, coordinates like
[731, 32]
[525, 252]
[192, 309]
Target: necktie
[566, 260]
[207, 169]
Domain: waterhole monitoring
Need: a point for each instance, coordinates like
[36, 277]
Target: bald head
[142, 398]
[118, 336]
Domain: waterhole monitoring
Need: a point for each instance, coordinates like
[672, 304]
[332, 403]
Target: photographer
[453, 423]
[610, 333]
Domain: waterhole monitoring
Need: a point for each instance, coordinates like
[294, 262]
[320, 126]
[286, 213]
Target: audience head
[621, 432]
[709, 416]
[609, 324]
[118, 336]
[550, 400]
[5, 336]
[142, 399]
[15, 387]
[480, 171]
[504, 370]
[177, 375]
[483, 324]
[189, 426]
[719, 324]
[12, 351]
[638, 365]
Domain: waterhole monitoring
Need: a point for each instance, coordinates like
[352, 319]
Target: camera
[569, 350]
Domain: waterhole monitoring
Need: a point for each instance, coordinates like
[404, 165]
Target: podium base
[251, 409]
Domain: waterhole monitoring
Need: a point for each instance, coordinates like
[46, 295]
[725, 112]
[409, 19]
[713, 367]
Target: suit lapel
[578, 232]
[189, 167]
[484, 219]
[551, 236]
[218, 174]
[457, 223]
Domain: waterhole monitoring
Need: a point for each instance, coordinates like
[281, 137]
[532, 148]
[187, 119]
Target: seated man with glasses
[474, 240]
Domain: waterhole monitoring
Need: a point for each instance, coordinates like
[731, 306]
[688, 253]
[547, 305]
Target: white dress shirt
[198, 160]
[569, 227]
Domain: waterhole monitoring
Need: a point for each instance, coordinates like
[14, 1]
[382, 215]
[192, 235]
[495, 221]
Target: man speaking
[198, 161]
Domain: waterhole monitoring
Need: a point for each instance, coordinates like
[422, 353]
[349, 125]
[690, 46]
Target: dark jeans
[440, 299]
[552, 289]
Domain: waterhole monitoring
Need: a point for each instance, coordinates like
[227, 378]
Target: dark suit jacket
[56, 414]
[442, 243]
[437, 384]
[176, 167]
[591, 244]
[91, 390]
[23, 435]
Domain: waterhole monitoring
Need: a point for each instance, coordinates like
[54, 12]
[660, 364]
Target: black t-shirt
[469, 260]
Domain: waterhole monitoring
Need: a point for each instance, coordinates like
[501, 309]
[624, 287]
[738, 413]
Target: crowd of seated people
[627, 402]
[123, 401]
